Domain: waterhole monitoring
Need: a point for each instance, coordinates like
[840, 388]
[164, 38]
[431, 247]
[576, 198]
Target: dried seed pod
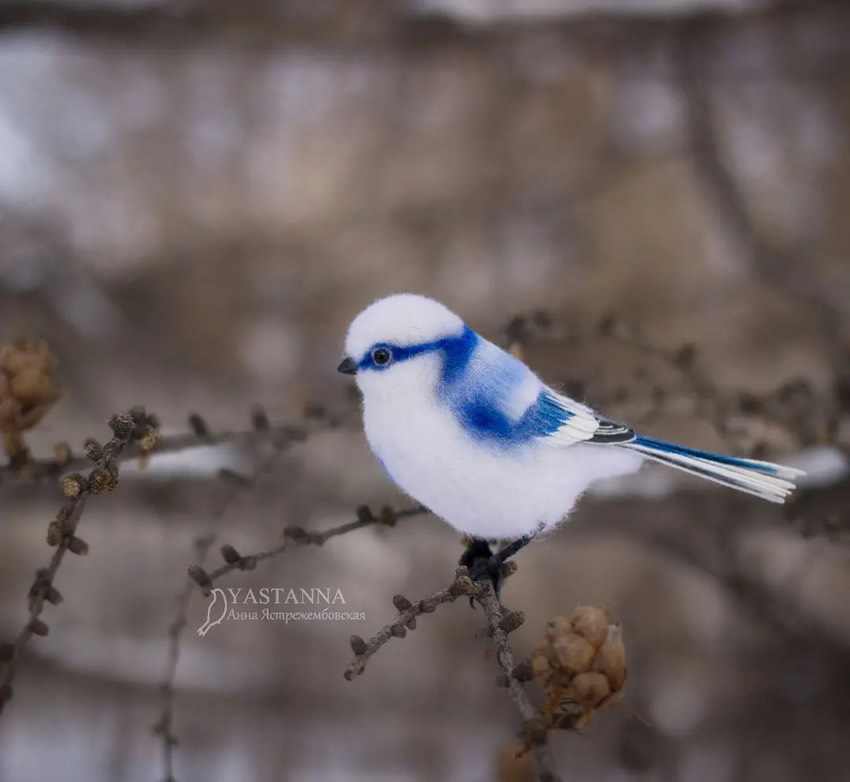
[580, 668]
[199, 575]
[611, 658]
[78, 546]
[102, 481]
[53, 595]
[122, 425]
[38, 627]
[401, 603]
[386, 516]
[295, 533]
[72, 485]
[93, 449]
[230, 555]
[590, 688]
[557, 626]
[148, 440]
[540, 664]
[512, 621]
[28, 388]
[573, 653]
[54, 533]
[364, 514]
[591, 623]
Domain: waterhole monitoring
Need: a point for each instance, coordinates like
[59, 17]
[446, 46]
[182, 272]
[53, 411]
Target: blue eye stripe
[456, 351]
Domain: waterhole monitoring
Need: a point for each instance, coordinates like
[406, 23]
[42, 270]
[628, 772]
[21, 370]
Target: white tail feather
[747, 477]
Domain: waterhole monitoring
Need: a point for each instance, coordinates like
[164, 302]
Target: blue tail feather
[769, 481]
[667, 447]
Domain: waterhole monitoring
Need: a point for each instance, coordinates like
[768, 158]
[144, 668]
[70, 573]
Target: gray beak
[347, 367]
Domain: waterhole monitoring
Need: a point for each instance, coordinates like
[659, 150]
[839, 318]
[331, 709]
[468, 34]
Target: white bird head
[391, 344]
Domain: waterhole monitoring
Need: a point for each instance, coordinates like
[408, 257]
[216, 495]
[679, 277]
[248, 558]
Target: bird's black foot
[481, 562]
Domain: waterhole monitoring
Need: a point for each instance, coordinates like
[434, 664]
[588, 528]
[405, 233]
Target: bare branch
[717, 406]
[280, 437]
[499, 625]
[132, 427]
[406, 619]
[295, 537]
[199, 435]
[164, 726]
[534, 730]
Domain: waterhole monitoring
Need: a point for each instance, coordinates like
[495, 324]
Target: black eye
[381, 356]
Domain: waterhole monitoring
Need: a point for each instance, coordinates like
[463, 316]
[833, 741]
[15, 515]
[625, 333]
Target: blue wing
[561, 421]
[499, 399]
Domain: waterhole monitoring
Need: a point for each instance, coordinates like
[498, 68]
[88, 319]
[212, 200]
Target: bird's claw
[479, 559]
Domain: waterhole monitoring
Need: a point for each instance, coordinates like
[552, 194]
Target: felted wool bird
[474, 435]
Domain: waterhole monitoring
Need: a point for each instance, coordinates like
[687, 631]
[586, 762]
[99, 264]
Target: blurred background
[196, 197]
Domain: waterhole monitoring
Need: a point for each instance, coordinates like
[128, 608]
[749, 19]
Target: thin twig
[406, 619]
[133, 427]
[711, 404]
[499, 625]
[280, 437]
[297, 536]
[534, 727]
[164, 727]
[717, 406]
[293, 536]
[198, 436]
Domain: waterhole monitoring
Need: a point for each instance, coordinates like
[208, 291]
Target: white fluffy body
[478, 488]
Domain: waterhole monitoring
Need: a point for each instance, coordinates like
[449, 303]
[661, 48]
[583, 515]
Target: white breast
[478, 487]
